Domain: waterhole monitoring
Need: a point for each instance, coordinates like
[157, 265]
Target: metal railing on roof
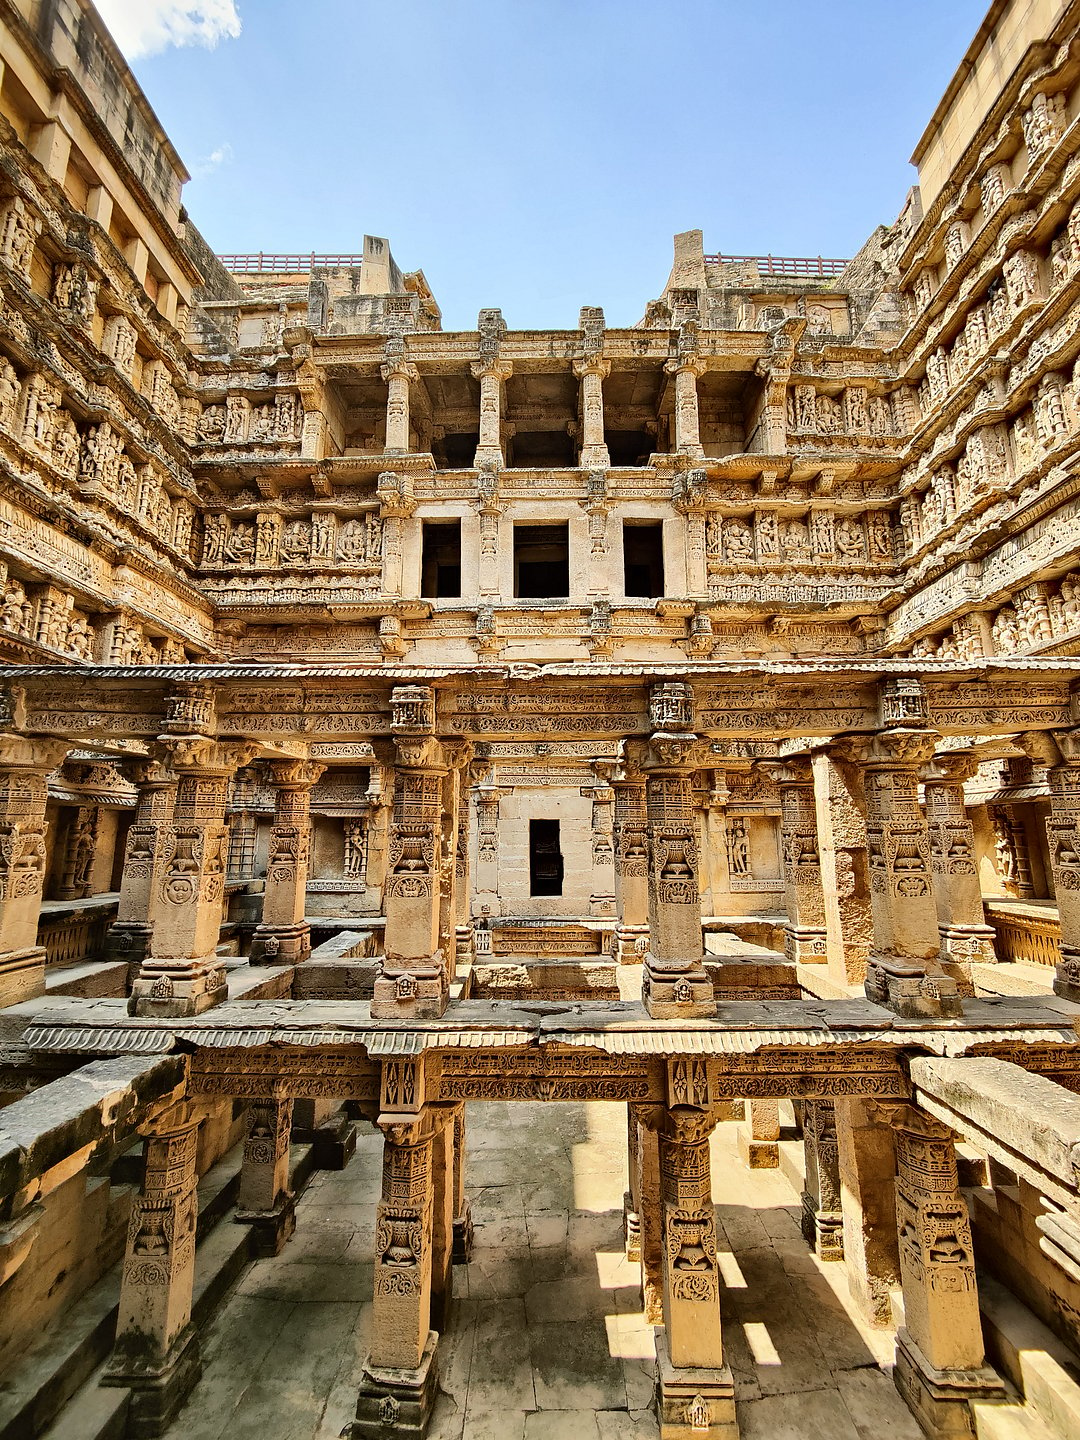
[804, 266]
[264, 264]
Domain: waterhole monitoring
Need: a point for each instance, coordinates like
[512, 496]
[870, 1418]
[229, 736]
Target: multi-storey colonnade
[677, 715]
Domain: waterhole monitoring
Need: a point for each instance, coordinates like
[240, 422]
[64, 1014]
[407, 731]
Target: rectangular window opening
[545, 858]
[541, 562]
[440, 563]
[643, 559]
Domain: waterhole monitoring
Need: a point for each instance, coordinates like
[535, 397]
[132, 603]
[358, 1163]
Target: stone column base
[280, 944]
[909, 991]
[270, 1229]
[757, 1154]
[157, 1393]
[968, 944]
[128, 941]
[940, 1399]
[394, 1402]
[175, 989]
[1067, 975]
[463, 1236]
[630, 944]
[805, 945]
[823, 1230]
[693, 1404]
[631, 1229]
[418, 993]
[677, 995]
[652, 1301]
[22, 975]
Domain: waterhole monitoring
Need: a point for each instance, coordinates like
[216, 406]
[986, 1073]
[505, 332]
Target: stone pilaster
[156, 1353]
[442, 1220]
[631, 864]
[129, 935]
[413, 981]
[822, 1217]
[805, 936]
[675, 983]
[651, 1223]
[492, 374]
[685, 371]
[1060, 753]
[24, 766]
[463, 1221]
[265, 1202]
[399, 375]
[397, 504]
[602, 796]
[966, 939]
[845, 877]
[905, 971]
[632, 1196]
[79, 854]
[695, 1392]
[181, 974]
[400, 1377]
[940, 1361]
[592, 372]
[867, 1161]
[284, 937]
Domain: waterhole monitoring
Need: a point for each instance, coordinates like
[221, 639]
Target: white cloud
[206, 165]
[146, 27]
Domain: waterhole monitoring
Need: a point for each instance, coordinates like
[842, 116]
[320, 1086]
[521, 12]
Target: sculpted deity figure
[350, 543]
[19, 237]
[879, 535]
[16, 610]
[215, 537]
[9, 392]
[828, 415]
[767, 536]
[738, 541]
[322, 535]
[879, 415]
[795, 540]
[850, 540]
[66, 445]
[296, 541]
[127, 481]
[806, 407]
[1069, 603]
[212, 424]
[183, 520]
[80, 638]
[355, 849]
[1006, 631]
[262, 423]
[823, 532]
[738, 847]
[241, 543]
[285, 417]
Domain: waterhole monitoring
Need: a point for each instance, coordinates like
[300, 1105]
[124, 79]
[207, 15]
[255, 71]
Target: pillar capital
[592, 365]
[199, 755]
[693, 365]
[398, 368]
[295, 774]
[492, 368]
[29, 752]
[897, 749]
[1051, 748]
[950, 767]
[791, 770]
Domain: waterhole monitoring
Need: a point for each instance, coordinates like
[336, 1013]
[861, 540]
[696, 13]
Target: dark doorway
[440, 564]
[643, 559]
[545, 858]
[541, 562]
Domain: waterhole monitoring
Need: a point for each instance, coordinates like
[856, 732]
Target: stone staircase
[1041, 1372]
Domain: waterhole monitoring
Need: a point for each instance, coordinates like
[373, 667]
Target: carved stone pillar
[399, 375]
[284, 937]
[129, 935]
[602, 795]
[79, 854]
[156, 1352]
[631, 865]
[695, 1392]
[400, 1377]
[24, 766]
[940, 1361]
[905, 971]
[632, 1196]
[845, 877]
[463, 1222]
[650, 1223]
[442, 1221]
[182, 974]
[592, 372]
[867, 1161]
[492, 375]
[396, 505]
[675, 983]
[966, 939]
[759, 1135]
[805, 937]
[1060, 753]
[413, 981]
[486, 888]
[687, 437]
[264, 1201]
[822, 1218]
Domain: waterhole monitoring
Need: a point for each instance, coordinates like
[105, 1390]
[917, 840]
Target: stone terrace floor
[547, 1340]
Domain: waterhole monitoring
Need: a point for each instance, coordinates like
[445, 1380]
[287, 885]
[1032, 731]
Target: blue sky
[540, 154]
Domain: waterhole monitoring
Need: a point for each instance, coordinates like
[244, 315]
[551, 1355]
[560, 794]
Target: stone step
[88, 979]
[1008, 1422]
[46, 1383]
[94, 1412]
[1034, 1361]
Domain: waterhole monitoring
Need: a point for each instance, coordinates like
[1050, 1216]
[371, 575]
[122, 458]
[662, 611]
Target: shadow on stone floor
[546, 1341]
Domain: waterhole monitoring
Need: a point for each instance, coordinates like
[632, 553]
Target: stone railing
[71, 934]
[263, 264]
[801, 266]
[1026, 933]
